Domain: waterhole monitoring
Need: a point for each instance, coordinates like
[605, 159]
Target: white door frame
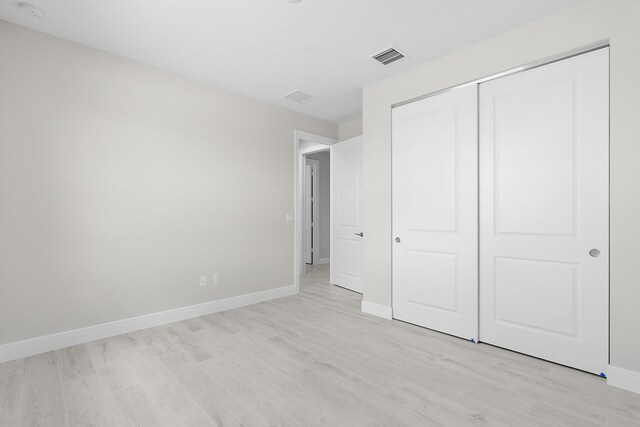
[315, 253]
[316, 143]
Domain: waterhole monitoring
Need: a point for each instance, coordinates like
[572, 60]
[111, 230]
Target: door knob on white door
[594, 252]
[397, 240]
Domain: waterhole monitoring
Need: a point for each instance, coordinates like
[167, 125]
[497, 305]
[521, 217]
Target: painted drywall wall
[580, 25]
[324, 201]
[350, 129]
[120, 185]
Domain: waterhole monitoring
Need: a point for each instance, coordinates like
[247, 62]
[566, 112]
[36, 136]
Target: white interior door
[544, 207]
[435, 213]
[346, 185]
[311, 211]
[308, 213]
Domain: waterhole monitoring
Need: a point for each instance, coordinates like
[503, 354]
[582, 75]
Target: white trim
[32, 346]
[322, 144]
[322, 261]
[312, 137]
[623, 378]
[332, 248]
[376, 309]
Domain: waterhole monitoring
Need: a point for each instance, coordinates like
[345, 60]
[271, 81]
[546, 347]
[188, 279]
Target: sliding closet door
[544, 211]
[435, 215]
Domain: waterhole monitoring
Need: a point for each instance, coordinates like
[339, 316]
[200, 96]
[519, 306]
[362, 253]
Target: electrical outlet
[216, 279]
[203, 281]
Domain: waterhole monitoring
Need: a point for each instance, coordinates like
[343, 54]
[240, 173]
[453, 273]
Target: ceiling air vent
[388, 56]
[300, 97]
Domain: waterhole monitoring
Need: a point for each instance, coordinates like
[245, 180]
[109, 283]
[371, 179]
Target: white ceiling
[267, 48]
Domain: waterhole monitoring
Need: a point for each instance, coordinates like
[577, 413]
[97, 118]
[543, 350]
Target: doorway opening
[313, 206]
[342, 246]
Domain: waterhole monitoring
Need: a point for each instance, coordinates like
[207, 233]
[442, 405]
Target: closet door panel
[435, 278]
[544, 205]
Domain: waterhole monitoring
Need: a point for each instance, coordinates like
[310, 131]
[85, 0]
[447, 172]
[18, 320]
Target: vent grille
[299, 97]
[388, 56]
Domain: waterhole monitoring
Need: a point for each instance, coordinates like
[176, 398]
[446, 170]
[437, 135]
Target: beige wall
[121, 184]
[350, 129]
[580, 25]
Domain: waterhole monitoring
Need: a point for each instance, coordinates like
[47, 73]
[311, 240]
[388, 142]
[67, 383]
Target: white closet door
[346, 252]
[435, 213]
[544, 207]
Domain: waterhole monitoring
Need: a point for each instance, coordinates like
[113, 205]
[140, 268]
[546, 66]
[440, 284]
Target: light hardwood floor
[311, 359]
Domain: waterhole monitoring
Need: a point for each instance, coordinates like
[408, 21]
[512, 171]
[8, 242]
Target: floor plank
[42, 399]
[86, 400]
[11, 375]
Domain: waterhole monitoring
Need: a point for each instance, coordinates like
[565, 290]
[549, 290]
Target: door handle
[361, 234]
[594, 252]
[397, 240]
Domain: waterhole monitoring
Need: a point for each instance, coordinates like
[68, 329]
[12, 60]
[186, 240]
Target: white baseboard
[322, 261]
[623, 378]
[32, 346]
[376, 309]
